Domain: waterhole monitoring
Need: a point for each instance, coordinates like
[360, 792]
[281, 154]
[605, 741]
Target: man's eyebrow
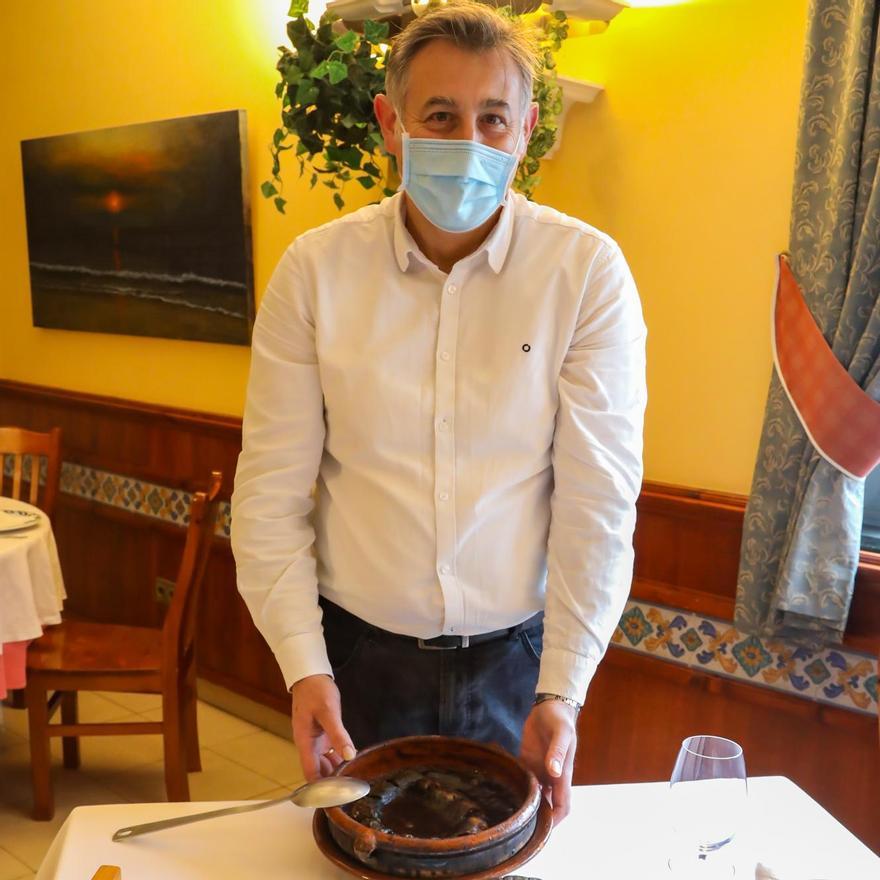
[438, 101]
[445, 101]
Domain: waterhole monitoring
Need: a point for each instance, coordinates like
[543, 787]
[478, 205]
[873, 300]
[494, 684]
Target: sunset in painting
[142, 229]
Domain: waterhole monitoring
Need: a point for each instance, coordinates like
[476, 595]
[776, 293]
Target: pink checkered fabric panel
[842, 420]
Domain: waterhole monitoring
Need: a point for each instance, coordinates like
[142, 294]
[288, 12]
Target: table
[614, 831]
[31, 591]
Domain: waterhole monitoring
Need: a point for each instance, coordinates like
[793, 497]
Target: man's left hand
[549, 742]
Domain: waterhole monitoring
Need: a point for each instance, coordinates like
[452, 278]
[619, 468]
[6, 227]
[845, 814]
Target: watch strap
[542, 698]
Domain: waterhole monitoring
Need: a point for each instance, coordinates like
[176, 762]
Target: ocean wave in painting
[187, 290]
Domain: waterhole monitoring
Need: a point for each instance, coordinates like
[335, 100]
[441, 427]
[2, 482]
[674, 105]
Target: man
[462, 373]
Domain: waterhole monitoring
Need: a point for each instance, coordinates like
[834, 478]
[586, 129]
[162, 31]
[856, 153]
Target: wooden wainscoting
[640, 707]
[111, 557]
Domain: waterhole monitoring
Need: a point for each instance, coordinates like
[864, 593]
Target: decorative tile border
[832, 675]
[135, 496]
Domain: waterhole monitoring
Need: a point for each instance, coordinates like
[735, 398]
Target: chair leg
[41, 757]
[176, 782]
[190, 721]
[70, 715]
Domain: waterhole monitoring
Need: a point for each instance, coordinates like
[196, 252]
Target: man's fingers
[309, 760]
[561, 787]
[557, 752]
[338, 735]
[326, 766]
[333, 757]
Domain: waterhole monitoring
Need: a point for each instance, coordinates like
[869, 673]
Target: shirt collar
[496, 245]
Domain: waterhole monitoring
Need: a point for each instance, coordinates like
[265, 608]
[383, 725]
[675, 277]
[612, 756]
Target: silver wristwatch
[541, 698]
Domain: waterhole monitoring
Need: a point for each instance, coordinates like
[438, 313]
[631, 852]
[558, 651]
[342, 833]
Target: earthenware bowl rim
[466, 843]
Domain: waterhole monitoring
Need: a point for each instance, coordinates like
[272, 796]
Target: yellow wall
[686, 159]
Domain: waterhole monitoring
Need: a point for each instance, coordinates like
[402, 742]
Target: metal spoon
[331, 791]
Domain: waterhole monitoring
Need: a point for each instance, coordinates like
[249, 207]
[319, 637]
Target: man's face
[457, 94]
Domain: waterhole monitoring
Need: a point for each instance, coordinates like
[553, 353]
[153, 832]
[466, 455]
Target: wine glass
[708, 791]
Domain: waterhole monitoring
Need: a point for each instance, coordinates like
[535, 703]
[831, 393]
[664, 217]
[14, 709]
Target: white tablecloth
[614, 831]
[31, 586]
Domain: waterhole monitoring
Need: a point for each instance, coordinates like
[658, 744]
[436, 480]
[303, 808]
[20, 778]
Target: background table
[614, 831]
[31, 591]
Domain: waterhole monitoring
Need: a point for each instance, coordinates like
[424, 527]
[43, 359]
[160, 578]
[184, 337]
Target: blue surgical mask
[456, 184]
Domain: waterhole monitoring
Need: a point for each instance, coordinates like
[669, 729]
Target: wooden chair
[83, 656]
[18, 443]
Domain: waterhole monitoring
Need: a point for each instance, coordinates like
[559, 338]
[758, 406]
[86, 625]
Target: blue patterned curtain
[801, 535]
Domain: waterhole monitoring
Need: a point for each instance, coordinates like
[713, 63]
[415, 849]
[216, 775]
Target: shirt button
[451, 289]
[444, 425]
[444, 569]
[444, 355]
[444, 496]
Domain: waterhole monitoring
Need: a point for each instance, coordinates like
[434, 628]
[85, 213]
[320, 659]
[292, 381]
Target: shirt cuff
[565, 673]
[302, 655]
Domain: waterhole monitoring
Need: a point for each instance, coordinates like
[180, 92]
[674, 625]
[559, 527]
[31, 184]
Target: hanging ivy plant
[328, 81]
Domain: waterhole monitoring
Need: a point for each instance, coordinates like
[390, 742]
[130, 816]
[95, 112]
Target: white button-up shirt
[475, 438]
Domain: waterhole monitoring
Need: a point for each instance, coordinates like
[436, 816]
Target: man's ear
[386, 116]
[529, 123]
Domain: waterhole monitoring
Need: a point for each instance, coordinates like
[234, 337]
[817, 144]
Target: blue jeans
[391, 687]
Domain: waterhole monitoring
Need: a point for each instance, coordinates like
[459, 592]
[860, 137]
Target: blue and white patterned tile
[832, 675]
[135, 496]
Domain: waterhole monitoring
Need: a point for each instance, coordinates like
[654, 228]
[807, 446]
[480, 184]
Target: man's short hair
[468, 25]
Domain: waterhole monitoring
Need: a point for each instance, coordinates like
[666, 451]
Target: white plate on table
[13, 520]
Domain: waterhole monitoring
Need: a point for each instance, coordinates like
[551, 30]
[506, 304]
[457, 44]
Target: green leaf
[279, 204]
[297, 8]
[301, 148]
[376, 31]
[388, 192]
[338, 72]
[366, 182]
[313, 181]
[337, 199]
[306, 93]
[279, 90]
[268, 189]
[320, 70]
[350, 156]
[346, 42]
[370, 168]
[279, 136]
[293, 75]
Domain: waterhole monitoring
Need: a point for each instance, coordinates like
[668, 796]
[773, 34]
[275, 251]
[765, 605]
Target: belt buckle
[424, 646]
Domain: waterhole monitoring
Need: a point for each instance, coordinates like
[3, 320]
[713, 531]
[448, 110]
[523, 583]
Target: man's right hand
[316, 717]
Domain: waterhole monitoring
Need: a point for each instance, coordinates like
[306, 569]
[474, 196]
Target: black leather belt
[438, 643]
[450, 643]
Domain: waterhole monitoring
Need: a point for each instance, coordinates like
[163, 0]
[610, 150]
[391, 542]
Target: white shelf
[592, 10]
[574, 91]
[358, 10]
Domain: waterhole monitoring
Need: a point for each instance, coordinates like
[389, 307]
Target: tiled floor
[239, 761]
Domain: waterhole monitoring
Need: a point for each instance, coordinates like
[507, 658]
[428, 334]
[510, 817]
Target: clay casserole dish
[405, 856]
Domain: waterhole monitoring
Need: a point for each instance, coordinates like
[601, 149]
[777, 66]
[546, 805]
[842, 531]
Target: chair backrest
[16, 443]
[178, 630]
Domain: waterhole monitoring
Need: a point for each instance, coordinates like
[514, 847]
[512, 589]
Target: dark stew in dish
[434, 802]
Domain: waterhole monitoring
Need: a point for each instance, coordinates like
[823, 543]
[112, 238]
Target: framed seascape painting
[142, 229]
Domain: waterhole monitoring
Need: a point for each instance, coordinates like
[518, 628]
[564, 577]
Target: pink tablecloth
[12, 662]
[31, 591]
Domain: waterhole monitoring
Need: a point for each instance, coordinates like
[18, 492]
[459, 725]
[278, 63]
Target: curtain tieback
[841, 420]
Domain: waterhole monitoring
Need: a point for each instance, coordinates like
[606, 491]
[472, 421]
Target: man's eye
[494, 119]
[441, 116]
